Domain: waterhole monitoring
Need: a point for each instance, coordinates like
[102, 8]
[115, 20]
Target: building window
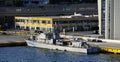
[39, 21]
[38, 28]
[26, 2]
[32, 28]
[27, 28]
[22, 20]
[17, 27]
[43, 29]
[80, 21]
[22, 27]
[26, 21]
[29, 21]
[44, 22]
[34, 21]
[35, 2]
[49, 22]
[17, 20]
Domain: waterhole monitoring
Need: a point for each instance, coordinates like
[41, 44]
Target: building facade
[36, 8]
[34, 3]
[63, 23]
[25, 3]
[101, 16]
[37, 3]
[109, 17]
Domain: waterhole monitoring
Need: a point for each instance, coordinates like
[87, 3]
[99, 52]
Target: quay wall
[7, 41]
[10, 44]
[107, 45]
[90, 38]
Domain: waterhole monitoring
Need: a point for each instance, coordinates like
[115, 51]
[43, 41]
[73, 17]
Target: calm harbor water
[29, 54]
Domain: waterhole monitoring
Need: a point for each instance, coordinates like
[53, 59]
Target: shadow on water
[29, 54]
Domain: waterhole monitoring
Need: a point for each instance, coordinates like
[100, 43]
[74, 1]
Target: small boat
[53, 41]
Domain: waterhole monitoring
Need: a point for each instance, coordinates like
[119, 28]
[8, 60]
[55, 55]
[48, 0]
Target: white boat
[48, 42]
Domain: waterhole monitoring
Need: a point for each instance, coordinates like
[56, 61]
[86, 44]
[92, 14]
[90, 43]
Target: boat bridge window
[66, 43]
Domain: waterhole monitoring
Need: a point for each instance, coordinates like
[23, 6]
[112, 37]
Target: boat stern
[93, 50]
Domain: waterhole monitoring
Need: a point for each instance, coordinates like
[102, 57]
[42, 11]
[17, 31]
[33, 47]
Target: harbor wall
[7, 41]
[10, 44]
[90, 38]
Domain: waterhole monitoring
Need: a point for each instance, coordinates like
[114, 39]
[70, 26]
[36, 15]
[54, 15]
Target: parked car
[96, 40]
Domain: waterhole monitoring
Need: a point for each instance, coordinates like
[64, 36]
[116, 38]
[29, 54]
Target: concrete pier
[112, 46]
[6, 41]
[107, 45]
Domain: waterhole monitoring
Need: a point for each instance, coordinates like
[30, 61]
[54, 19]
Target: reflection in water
[28, 54]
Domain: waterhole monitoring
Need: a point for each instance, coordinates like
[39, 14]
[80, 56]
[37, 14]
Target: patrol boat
[53, 41]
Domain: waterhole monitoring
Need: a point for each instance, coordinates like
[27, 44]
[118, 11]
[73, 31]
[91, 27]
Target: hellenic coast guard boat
[53, 41]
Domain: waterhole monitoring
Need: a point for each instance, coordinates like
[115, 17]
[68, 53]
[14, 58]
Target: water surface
[28, 54]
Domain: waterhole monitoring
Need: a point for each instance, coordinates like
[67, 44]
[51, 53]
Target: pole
[73, 29]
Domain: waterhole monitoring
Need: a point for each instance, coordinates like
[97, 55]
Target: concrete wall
[107, 19]
[117, 19]
[112, 20]
[100, 16]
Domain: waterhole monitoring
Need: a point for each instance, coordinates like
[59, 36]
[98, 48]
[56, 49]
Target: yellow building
[46, 24]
